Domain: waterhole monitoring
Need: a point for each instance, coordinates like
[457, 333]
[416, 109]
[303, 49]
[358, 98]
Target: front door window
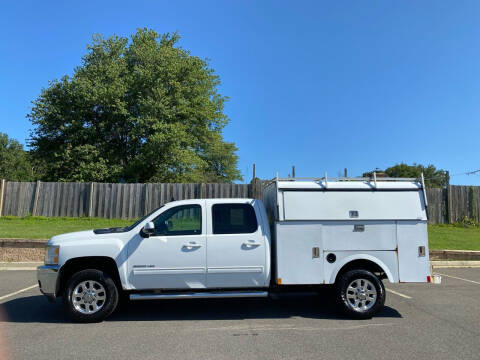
[180, 220]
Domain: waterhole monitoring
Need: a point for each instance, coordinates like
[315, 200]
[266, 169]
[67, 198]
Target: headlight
[51, 254]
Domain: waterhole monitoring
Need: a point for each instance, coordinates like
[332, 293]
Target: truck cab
[191, 246]
[202, 244]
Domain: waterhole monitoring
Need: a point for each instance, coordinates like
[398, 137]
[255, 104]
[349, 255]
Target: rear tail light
[434, 279]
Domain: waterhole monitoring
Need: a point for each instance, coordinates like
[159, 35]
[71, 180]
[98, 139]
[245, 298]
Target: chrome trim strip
[168, 271]
[200, 295]
[235, 269]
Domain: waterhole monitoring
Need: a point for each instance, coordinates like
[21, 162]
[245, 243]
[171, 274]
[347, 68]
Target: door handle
[192, 245]
[250, 244]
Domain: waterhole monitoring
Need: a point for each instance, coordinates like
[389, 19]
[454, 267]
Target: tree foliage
[15, 164]
[433, 177]
[136, 110]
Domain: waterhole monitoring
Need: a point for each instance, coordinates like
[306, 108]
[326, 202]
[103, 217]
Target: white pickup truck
[349, 232]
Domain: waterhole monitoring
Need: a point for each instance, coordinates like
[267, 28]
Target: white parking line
[454, 277]
[18, 292]
[399, 294]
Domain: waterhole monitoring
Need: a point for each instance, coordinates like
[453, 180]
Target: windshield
[125, 228]
[128, 228]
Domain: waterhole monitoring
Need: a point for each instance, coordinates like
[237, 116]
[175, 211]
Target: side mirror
[148, 229]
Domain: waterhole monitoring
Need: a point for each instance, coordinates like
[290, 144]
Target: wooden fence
[130, 201]
[453, 204]
[125, 201]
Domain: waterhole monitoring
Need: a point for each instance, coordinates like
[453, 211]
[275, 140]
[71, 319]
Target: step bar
[199, 295]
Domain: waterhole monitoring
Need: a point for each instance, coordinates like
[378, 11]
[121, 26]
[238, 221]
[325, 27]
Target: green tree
[433, 177]
[15, 164]
[136, 110]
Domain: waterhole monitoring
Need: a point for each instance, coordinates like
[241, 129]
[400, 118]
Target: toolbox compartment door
[359, 235]
[299, 252]
[413, 259]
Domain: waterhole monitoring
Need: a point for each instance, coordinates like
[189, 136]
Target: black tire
[367, 307]
[106, 307]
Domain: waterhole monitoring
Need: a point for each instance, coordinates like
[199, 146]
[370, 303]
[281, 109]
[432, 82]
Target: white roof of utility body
[335, 184]
[346, 199]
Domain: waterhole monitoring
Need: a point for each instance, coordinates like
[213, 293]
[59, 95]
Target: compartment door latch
[421, 251]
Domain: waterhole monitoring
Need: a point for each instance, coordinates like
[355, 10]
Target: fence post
[257, 189]
[447, 197]
[145, 200]
[2, 190]
[203, 191]
[35, 201]
[90, 200]
[472, 204]
[449, 205]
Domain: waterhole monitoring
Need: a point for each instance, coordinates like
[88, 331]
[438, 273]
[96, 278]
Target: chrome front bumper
[47, 276]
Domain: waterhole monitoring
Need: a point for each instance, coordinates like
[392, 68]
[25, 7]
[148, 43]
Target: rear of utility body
[320, 227]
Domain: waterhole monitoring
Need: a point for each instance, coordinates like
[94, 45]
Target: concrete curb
[19, 265]
[438, 264]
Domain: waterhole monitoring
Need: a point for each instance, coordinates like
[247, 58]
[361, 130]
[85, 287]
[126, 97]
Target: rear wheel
[361, 294]
[90, 296]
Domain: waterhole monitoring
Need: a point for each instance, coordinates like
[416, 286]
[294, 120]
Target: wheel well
[75, 265]
[362, 264]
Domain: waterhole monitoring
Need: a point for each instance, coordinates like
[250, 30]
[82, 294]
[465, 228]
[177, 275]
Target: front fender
[112, 248]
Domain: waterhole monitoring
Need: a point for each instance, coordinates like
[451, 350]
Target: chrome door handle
[192, 245]
[251, 244]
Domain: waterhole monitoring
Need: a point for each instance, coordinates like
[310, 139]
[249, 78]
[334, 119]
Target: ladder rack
[371, 179]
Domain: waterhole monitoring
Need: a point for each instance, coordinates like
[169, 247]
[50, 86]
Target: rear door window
[234, 219]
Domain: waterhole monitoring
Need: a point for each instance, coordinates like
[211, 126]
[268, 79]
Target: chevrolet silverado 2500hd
[349, 232]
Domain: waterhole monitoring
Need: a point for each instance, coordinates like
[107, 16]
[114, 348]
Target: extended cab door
[174, 257]
[236, 246]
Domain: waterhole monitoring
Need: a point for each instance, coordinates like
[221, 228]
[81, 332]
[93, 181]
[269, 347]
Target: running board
[199, 295]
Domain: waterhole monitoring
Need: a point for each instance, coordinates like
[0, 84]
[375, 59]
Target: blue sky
[321, 85]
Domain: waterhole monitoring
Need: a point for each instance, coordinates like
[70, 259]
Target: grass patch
[453, 237]
[44, 228]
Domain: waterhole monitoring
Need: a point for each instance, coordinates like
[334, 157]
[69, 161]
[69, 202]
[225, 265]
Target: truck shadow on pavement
[38, 309]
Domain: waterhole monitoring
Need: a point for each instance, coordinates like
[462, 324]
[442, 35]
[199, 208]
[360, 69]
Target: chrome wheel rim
[88, 297]
[361, 295]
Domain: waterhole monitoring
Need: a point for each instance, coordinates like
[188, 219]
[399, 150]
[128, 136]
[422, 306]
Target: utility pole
[253, 178]
[449, 202]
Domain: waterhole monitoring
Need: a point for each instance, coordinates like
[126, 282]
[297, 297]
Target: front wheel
[361, 294]
[90, 296]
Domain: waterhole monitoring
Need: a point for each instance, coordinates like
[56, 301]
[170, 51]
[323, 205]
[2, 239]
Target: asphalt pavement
[419, 321]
